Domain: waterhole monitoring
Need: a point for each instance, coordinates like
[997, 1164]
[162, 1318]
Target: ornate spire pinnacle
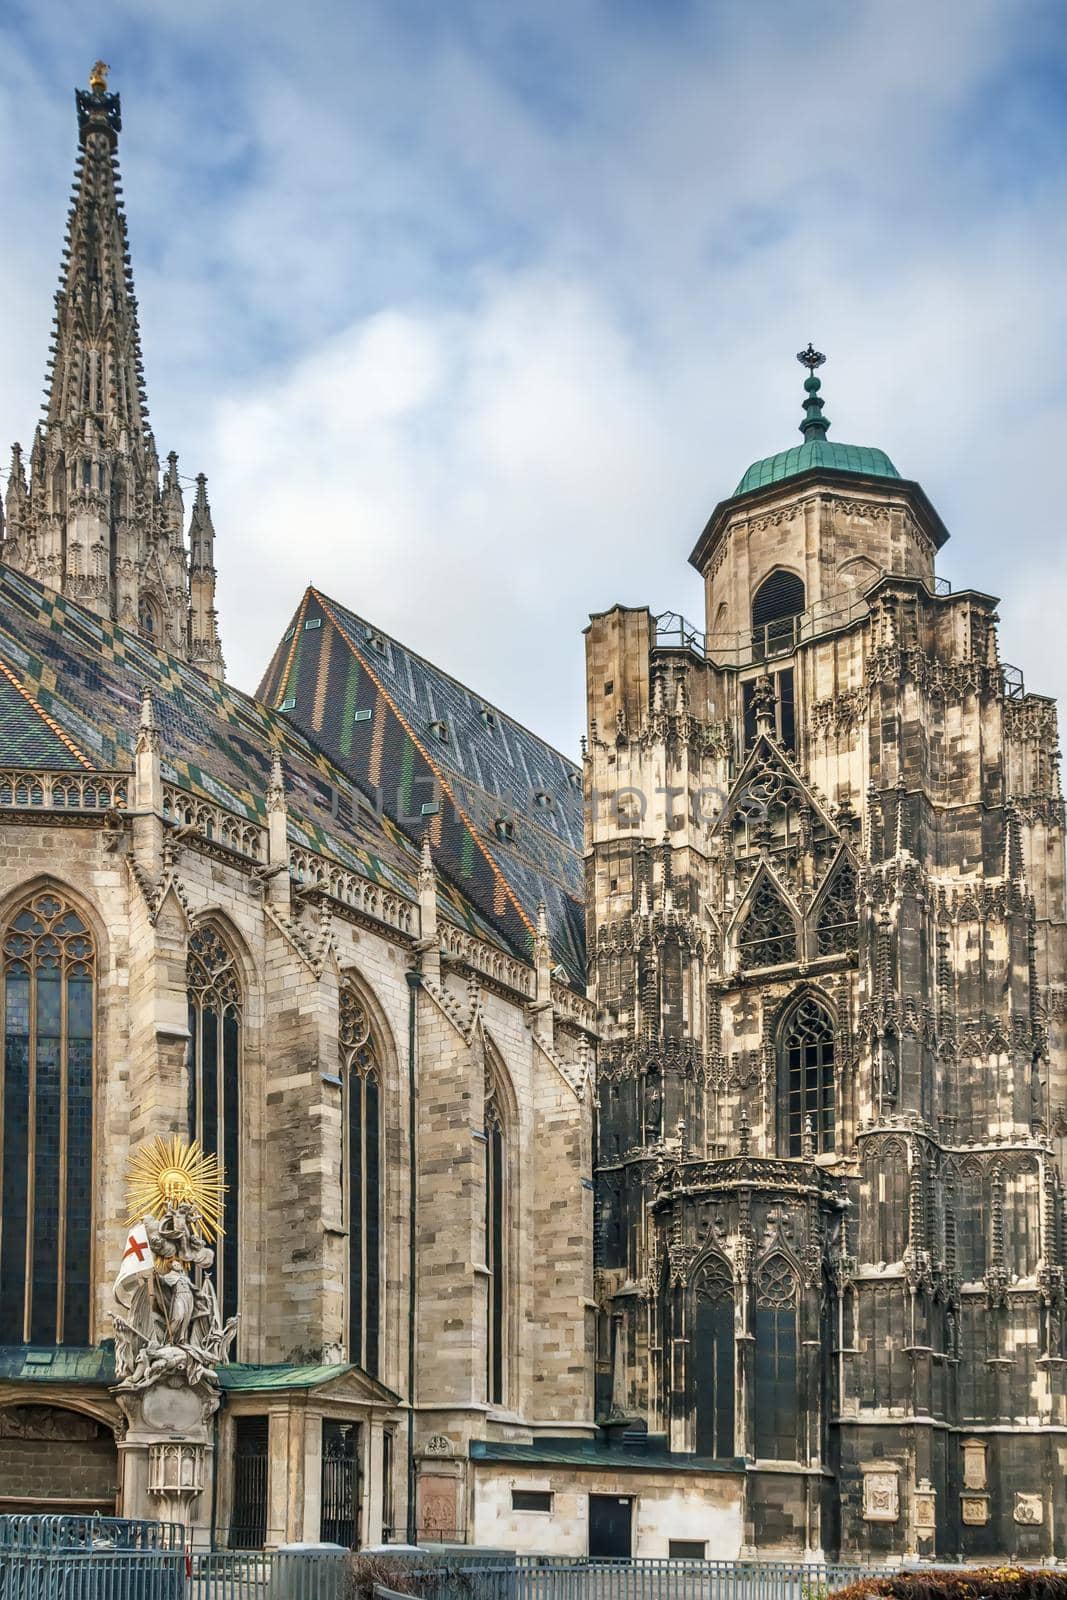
[815, 425]
[427, 876]
[95, 523]
[276, 786]
[205, 647]
[147, 727]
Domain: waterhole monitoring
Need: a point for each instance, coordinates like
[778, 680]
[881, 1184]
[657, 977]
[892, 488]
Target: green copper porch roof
[238, 1375]
[21, 1363]
[861, 458]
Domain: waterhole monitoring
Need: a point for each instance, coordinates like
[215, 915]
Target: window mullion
[31, 1148]
[61, 1200]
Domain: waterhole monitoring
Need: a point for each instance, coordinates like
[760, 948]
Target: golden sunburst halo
[168, 1171]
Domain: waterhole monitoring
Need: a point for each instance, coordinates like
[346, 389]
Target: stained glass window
[776, 1399]
[361, 1076]
[768, 933]
[494, 1246]
[715, 1364]
[806, 1076]
[214, 1073]
[49, 971]
[836, 929]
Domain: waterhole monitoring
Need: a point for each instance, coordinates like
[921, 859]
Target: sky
[472, 310]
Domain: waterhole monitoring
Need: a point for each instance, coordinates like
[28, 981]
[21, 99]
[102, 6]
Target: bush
[966, 1583]
[426, 1579]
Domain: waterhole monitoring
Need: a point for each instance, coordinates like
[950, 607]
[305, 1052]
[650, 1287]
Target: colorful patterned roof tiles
[503, 809]
[70, 692]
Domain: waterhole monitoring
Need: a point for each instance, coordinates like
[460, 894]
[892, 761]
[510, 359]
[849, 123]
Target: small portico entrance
[305, 1453]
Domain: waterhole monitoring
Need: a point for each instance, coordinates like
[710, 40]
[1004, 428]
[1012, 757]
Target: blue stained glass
[45, 1221]
[43, 941]
[231, 1159]
[78, 1208]
[79, 1008]
[209, 1081]
[16, 1155]
[48, 1003]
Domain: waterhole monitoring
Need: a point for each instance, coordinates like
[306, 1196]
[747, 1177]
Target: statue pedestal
[168, 1455]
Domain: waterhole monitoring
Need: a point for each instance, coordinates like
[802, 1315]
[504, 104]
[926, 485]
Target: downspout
[414, 980]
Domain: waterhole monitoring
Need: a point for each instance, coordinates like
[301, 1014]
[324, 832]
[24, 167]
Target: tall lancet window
[49, 970]
[214, 1074]
[806, 1078]
[362, 1179]
[495, 1222]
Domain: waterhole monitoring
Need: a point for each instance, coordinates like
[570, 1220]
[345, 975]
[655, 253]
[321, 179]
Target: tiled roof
[507, 830]
[70, 688]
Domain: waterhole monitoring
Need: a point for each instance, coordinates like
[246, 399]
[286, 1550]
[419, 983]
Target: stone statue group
[173, 1329]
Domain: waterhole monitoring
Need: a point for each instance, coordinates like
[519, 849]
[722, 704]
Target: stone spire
[205, 649]
[95, 522]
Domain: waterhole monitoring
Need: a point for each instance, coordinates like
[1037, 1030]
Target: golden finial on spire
[98, 77]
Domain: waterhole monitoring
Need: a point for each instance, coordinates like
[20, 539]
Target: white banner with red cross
[137, 1260]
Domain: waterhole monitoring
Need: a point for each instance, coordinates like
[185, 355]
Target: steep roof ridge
[350, 846]
[431, 763]
[424, 661]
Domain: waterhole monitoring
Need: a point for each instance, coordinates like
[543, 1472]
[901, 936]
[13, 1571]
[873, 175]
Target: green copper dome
[817, 450]
[817, 453]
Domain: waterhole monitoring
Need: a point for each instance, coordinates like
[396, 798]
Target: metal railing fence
[100, 1574]
[65, 1532]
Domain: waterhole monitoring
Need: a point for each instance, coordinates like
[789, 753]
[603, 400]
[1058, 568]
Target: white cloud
[472, 313]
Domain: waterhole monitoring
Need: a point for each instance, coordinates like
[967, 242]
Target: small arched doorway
[53, 1460]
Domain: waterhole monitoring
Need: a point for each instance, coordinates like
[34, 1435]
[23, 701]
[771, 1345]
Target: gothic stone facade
[826, 940]
[403, 1107]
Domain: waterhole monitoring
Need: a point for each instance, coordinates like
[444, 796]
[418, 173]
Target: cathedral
[656, 1155]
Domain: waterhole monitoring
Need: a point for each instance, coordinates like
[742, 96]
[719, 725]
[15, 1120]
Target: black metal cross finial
[810, 358]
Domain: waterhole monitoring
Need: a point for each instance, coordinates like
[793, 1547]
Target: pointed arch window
[714, 1375]
[148, 619]
[806, 1077]
[768, 935]
[837, 925]
[777, 1406]
[495, 1253]
[362, 1179]
[49, 967]
[214, 1074]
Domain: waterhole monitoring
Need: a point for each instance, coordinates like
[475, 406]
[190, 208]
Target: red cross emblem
[134, 1248]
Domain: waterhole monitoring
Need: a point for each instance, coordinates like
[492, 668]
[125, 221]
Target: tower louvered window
[361, 1076]
[214, 1072]
[769, 934]
[776, 608]
[837, 926]
[49, 972]
[806, 1077]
